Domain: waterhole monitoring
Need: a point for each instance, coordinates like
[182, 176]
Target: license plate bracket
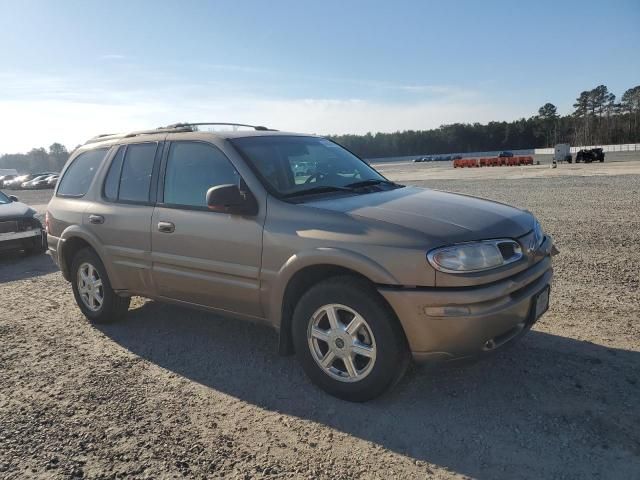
[540, 304]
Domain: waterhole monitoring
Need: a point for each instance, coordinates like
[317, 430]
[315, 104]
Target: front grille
[8, 227]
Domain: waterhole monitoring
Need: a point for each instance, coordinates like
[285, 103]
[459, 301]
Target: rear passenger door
[200, 256]
[122, 220]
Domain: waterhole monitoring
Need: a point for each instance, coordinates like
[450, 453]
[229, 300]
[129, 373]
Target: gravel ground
[173, 393]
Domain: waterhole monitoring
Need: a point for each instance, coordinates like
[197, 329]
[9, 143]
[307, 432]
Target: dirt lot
[177, 393]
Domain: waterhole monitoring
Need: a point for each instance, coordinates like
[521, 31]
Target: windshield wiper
[372, 181]
[318, 189]
[352, 187]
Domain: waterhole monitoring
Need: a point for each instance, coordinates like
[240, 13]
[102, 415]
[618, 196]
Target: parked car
[357, 273]
[590, 155]
[19, 228]
[52, 180]
[6, 178]
[18, 181]
[15, 182]
[36, 183]
[505, 154]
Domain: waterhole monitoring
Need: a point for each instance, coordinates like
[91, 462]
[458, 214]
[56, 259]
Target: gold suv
[357, 273]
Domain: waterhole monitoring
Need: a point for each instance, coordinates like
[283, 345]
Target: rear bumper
[444, 324]
[53, 244]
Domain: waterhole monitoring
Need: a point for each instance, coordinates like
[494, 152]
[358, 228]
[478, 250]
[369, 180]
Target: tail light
[46, 222]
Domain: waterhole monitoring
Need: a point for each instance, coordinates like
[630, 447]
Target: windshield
[4, 199]
[294, 166]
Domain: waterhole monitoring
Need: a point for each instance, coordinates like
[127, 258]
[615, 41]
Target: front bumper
[444, 324]
[17, 240]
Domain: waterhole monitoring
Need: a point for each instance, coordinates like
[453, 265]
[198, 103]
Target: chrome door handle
[166, 227]
[96, 219]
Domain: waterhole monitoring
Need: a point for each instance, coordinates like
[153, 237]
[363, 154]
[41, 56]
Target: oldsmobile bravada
[358, 274]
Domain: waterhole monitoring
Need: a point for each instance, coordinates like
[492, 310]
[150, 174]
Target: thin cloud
[65, 109]
[72, 122]
[113, 56]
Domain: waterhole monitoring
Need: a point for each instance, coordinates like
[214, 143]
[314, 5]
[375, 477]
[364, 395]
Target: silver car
[358, 274]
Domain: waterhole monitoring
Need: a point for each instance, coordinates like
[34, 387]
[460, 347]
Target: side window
[192, 169]
[79, 175]
[135, 177]
[112, 183]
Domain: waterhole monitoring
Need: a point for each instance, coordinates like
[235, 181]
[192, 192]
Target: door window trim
[163, 172]
[153, 185]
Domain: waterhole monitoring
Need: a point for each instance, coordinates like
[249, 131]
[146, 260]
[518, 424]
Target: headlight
[538, 234]
[475, 256]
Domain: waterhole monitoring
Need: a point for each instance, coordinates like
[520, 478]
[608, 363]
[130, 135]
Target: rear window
[129, 177]
[79, 175]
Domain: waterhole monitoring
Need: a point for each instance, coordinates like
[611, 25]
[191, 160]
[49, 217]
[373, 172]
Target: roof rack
[173, 128]
[255, 127]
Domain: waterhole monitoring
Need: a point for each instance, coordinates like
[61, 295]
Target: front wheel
[92, 289]
[348, 340]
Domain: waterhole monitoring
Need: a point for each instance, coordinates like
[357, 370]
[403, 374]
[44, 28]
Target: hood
[14, 210]
[443, 217]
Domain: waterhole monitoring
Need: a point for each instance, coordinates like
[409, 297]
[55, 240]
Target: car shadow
[483, 420]
[16, 265]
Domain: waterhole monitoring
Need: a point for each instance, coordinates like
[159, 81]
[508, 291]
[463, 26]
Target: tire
[381, 337]
[113, 307]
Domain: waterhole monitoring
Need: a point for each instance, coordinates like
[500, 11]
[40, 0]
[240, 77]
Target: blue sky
[72, 69]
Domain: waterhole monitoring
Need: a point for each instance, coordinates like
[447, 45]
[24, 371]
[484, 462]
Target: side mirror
[230, 199]
[13, 198]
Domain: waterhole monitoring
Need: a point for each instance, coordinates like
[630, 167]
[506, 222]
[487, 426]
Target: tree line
[597, 119]
[37, 159]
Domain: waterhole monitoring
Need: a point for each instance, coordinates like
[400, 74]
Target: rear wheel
[348, 340]
[92, 289]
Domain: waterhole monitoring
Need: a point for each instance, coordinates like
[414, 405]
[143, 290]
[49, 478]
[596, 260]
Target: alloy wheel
[342, 343]
[90, 287]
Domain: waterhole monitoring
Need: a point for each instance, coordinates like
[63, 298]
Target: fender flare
[77, 231]
[338, 257]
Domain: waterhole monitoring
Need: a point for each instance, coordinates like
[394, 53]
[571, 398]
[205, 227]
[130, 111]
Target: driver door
[200, 256]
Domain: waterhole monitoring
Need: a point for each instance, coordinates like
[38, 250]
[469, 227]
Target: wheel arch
[303, 271]
[73, 240]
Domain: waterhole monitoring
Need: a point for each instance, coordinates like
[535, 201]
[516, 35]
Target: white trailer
[562, 153]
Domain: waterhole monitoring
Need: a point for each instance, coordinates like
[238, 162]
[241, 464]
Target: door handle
[96, 219]
[166, 227]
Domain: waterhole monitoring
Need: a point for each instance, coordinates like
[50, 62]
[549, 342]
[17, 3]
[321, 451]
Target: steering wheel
[315, 176]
